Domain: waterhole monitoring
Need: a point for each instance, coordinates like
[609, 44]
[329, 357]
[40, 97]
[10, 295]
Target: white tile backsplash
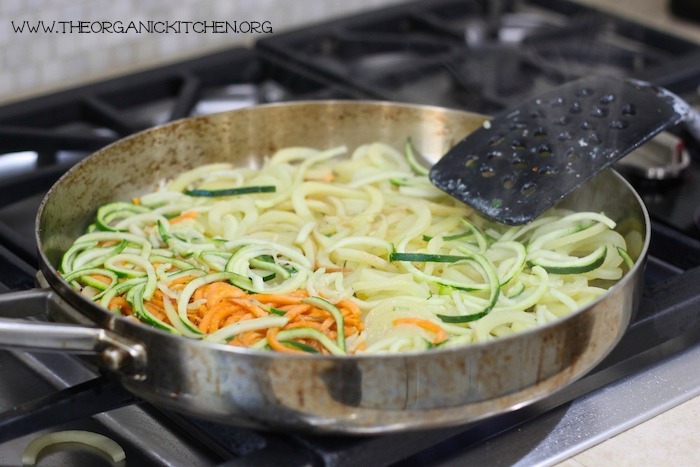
[34, 63]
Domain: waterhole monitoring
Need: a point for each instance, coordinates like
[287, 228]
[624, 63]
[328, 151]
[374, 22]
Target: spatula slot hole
[496, 140]
[562, 121]
[520, 164]
[538, 114]
[528, 189]
[487, 171]
[545, 150]
[564, 136]
[594, 139]
[619, 124]
[586, 125]
[607, 99]
[518, 144]
[572, 155]
[547, 170]
[557, 102]
[584, 92]
[471, 161]
[598, 112]
[575, 108]
[508, 183]
[517, 125]
[629, 109]
[494, 155]
[539, 132]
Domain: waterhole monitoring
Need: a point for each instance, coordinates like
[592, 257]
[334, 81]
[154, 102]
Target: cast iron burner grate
[450, 53]
[42, 137]
[454, 54]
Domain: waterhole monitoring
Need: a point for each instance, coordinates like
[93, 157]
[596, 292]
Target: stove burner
[480, 56]
[508, 28]
[662, 158]
[237, 96]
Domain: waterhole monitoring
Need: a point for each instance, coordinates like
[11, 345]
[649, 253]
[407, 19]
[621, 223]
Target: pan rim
[73, 297]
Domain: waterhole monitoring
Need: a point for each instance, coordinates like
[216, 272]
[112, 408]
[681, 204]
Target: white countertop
[672, 438]
[667, 396]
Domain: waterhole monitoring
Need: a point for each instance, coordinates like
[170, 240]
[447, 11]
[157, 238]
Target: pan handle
[115, 352]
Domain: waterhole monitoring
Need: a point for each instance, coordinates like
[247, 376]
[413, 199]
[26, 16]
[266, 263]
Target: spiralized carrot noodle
[336, 251]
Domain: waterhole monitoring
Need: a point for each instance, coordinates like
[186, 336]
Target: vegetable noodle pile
[321, 251]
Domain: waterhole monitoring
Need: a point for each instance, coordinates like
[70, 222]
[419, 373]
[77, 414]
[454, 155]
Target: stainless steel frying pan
[358, 394]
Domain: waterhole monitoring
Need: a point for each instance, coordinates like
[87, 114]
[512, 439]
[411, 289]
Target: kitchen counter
[647, 418]
[672, 438]
[669, 401]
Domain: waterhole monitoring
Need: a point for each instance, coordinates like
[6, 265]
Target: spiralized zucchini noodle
[337, 252]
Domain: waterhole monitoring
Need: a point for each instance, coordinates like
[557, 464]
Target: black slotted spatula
[525, 160]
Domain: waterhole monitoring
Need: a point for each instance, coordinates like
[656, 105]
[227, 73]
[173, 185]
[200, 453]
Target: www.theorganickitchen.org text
[141, 27]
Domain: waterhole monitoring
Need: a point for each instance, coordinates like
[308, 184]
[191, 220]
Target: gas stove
[466, 55]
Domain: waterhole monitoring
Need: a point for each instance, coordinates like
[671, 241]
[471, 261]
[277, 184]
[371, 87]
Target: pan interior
[135, 165]
[341, 395]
